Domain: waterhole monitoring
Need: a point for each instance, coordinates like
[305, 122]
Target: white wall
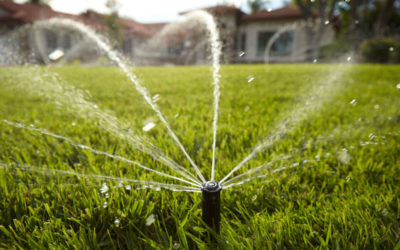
[300, 45]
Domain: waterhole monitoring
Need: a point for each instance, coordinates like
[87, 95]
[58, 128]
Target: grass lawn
[333, 129]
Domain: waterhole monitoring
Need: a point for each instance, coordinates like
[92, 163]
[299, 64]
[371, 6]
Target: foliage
[256, 5]
[381, 50]
[334, 51]
[114, 28]
[40, 2]
[344, 192]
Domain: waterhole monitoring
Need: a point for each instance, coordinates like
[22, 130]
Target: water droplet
[156, 97]
[73, 123]
[376, 106]
[148, 126]
[150, 220]
[372, 136]
[128, 187]
[241, 53]
[250, 79]
[95, 106]
[326, 22]
[105, 204]
[349, 58]
[315, 61]
[247, 108]
[344, 156]
[398, 86]
[353, 102]
[176, 245]
[117, 222]
[104, 188]
[157, 189]
[391, 49]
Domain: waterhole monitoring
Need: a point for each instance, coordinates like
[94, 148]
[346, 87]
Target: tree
[40, 2]
[364, 19]
[316, 14]
[256, 5]
[386, 11]
[114, 29]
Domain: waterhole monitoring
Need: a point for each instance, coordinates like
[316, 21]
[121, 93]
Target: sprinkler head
[211, 204]
[211, 186]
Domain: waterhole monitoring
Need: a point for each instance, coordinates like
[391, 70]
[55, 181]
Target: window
[242, 45]
[282, 46]
[51, 40]
[127, 46]
[66, 42]
[262, 41]
[175, 50]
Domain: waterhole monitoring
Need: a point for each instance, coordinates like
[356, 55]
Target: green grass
[343, 194]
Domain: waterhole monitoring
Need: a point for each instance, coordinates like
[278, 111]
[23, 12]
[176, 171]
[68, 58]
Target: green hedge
[381, 50]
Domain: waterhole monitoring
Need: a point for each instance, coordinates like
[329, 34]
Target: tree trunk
[380, 28]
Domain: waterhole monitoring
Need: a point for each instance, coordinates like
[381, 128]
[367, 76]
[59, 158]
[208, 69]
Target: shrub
[333, 51]
[381, 50]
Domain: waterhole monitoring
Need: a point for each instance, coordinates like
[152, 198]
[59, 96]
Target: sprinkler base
[211, 204]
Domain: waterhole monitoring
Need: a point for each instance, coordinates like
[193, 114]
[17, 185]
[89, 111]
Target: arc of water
[145, 184]
[216, 55]
[215, 44]
[53, 89]
[275, 37]
[68, 23]
[117, 157]
[255, 170]
[294, 119]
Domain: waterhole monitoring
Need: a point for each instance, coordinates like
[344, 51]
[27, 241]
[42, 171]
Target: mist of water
[141, 183]
[102, 44]
[50, 86]
[319, 95]
[95, 151]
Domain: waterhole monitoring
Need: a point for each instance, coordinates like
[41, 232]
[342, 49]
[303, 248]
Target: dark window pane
[283, 45]
[51, 40]
[262, 41]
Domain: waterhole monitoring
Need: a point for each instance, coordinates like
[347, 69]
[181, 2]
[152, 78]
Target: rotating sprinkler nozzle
[211, 204]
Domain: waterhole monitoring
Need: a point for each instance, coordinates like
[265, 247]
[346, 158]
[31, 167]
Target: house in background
[256, 30]
[244, 37]
[19, 42]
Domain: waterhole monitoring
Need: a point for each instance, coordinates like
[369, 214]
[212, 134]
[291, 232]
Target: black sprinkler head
[211, 204]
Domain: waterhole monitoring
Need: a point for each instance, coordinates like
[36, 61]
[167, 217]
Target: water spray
[211, 204]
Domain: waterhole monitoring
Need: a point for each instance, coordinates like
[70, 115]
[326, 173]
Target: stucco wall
[300, 45]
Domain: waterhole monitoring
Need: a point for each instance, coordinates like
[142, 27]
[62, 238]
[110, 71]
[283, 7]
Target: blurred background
[157, 33]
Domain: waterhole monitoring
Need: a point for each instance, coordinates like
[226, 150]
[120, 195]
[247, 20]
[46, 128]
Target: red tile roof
[219, 10]
[28, 13]
[128, 25]
[288, 12]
